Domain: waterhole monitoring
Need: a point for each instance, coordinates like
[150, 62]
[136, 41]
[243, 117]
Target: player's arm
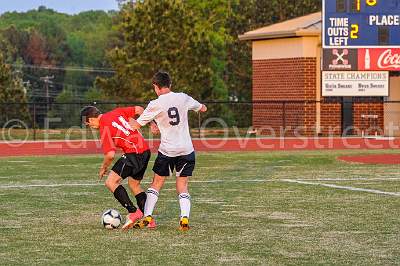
[134, 124]
[145, 117]
[195, 105]
[203, 108]
[107, 160]
[153, 125]
[132, 112]
[109, 149]
[154, 128]
[139, 110]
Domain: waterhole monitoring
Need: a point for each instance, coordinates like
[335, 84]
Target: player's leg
[183, 195]
[152, 198]
[184, 168]
[139, 163]
[138, 191]
[113, 183]
[161, 170]
[121, 170]
[153, 193]
[184, 201]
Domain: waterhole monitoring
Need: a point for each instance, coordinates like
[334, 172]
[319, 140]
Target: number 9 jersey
[170, 111]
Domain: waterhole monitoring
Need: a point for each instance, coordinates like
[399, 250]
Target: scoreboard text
[361, 23]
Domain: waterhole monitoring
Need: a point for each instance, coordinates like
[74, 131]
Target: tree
[159, 35]
[246, 15]
[93, 95]
[195, 40]
[13, 102]
[67, 112]
[55, 40]
[15, 42]
[46, 37]
[36, 52]
[212, 18]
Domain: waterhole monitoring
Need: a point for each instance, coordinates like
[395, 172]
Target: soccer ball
[111, 219]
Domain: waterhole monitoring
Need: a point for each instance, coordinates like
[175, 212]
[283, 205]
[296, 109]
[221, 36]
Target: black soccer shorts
[132, 164]
[183, 165]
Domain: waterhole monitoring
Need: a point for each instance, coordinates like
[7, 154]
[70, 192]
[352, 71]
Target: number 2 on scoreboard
[354, 31]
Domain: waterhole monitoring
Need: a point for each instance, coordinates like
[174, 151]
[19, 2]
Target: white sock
[152, 197]
[184, 202]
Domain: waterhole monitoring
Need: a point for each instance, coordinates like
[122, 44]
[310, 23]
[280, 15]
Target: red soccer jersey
[115, 132]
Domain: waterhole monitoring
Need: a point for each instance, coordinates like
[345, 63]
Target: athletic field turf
[248, 209]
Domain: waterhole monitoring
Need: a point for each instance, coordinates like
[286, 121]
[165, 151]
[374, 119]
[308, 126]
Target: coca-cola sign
[379, 59]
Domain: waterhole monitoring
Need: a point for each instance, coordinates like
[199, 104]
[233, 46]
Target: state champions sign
[355, 83]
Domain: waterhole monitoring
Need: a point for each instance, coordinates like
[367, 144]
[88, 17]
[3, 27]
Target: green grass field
[244, 211]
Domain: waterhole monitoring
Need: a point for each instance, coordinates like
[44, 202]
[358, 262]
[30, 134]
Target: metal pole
[199, 121]
[284, 118]
[34, 121]
[46, 81]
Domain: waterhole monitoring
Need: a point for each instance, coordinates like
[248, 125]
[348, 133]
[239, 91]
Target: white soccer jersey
[170, 111]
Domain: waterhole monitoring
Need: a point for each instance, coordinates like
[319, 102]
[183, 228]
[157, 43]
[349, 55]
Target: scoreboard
[361, 23]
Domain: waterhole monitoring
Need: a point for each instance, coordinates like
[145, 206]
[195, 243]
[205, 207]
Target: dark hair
[162, 79]
[89, 112]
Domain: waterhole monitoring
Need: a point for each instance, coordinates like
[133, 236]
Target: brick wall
[331, 118]
[369, 125]
[284, 80]
[294, 79]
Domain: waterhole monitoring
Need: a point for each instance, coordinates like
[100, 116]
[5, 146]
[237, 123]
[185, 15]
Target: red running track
[250, 144]
[373, 159]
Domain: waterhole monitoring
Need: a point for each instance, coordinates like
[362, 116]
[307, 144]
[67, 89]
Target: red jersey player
[115, 132]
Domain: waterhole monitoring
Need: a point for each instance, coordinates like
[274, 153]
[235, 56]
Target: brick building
[287, 86]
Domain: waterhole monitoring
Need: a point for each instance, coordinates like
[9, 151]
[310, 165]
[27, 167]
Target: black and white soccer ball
[111, 219]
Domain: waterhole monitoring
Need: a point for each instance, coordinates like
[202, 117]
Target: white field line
[52, 185]
[304, 182]
[342, 187]
[145, 182]
[351, 179]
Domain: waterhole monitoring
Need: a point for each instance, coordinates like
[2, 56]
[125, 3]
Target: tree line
[33, 40]
[196, 41]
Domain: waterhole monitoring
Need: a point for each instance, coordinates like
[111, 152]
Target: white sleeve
[193, 104]
[148, 115]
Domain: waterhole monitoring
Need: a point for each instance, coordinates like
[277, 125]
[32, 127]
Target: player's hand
[203, 108]
[102, 172]
[154, 129]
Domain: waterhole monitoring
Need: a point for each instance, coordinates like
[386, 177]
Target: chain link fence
[365, 117]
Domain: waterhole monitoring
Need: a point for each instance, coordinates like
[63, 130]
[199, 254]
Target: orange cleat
[145, 222]
[184, 224]
[152, 224]
[132, 218]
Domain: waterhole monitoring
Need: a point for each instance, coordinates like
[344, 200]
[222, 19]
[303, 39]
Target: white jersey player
[176, 152]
